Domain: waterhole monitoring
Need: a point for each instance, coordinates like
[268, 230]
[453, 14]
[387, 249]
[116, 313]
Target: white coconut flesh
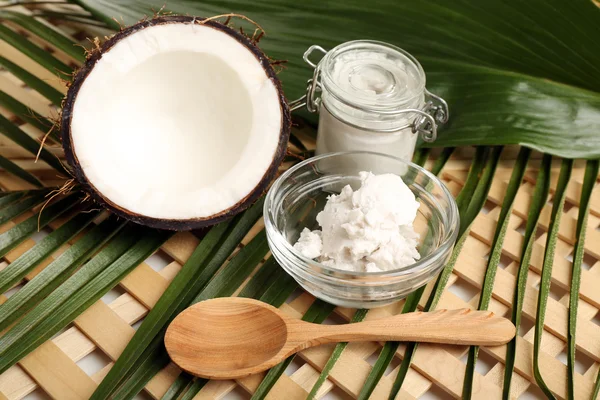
[176, 121]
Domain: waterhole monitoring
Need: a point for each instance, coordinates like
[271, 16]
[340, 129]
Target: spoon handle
[466, 327]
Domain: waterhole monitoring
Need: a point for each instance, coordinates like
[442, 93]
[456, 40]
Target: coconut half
[176, 123]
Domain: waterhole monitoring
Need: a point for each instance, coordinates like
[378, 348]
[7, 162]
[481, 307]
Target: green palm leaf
[494, 259]
[70, 17]
[27, 114]
[226, 281]
[388, 352]
[15, 134]
[389, 349]
[58, 271]
[589, 181]
[193, 389]
[199, 270]
[162, 312]
[359, 315]
[33, 82]
[557, 210]
[540, 194]
[34, 256]
[150, 362]
[270, 276]
[177, 388]
[441, 160]
[51, 303]
[17, 171]
[79, 292]
[9, 198]
[316, 313]
[512, 73]
[52, 36]
[21, 231]
[223, 284]
[476, 202]
[16, 208]
[466, 194]
[37, 54]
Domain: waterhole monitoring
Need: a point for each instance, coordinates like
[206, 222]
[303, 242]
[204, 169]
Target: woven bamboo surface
[55, 368]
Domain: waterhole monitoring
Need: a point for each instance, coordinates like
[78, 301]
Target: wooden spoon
[228, 338]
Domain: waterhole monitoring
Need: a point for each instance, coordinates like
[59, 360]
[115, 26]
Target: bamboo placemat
[106, 327]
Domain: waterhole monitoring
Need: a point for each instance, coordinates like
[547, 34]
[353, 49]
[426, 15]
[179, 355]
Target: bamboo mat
[437, 371]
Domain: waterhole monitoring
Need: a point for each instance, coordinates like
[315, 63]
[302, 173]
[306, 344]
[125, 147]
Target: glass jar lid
[373, 76]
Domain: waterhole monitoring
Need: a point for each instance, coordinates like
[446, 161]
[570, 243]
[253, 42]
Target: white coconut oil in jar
[373, 98]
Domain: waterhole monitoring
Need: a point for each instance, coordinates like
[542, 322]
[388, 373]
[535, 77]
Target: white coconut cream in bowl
[358, 238]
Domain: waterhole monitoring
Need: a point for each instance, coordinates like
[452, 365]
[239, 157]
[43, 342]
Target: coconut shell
[172, 224]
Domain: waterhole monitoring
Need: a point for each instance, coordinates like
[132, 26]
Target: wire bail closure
[313, 85]
[425, 124]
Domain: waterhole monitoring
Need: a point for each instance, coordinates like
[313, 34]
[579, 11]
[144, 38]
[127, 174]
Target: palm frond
[476, 202]
[17, 234]
[57, 272]
[589, 181]
[557, 210]
[516, 179]
[17, 171]
[507, 69]
[316, 313]
[34, 256]
[271, 285]
[15, 134]
[540, 194]
[33, 82]
[53, 36]
[359, 315]
[79, 292]
[18, 207]
[202, 265]
[37, 54]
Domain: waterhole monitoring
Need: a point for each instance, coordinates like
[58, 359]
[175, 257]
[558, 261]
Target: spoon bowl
[219, 332]
[231, 337]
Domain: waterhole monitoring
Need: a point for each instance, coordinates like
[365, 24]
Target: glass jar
[372, 98]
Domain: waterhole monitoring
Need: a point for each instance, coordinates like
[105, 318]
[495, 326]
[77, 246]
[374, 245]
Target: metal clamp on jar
[372, 98]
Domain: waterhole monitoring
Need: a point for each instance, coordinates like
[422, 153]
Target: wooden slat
[161, 382]
[16, 384]
[181, 246]
[105, 328]
[145, 284]
[306, 376]
[57, 374]
[215, 390]
[284, 388]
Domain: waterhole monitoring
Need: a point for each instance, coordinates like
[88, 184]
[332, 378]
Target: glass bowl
[299, 194]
